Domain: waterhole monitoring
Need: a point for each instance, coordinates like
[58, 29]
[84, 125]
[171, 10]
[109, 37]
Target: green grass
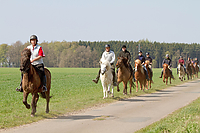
[72, 90]
[186, 119]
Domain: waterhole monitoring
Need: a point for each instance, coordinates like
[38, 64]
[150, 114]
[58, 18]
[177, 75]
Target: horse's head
[147, 62]
[105, 66]
[165, 66]
[25, 60]
[122, 61]
[137, 64]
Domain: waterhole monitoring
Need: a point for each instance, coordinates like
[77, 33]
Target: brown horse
[189, 70]
[31, 82]
[166, 73]
[139, 75]
[150, 74]
[193, 69]
[124, 74]
[196, 68]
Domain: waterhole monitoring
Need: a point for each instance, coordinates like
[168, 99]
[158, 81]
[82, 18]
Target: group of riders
[37, 54]
[109, 55]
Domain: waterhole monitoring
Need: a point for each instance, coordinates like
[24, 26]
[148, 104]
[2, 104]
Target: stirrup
[19, 89]
[44, 88]
[95, 81]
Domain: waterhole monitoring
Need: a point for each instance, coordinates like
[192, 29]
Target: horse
[196, 68]
[166, 73]
[189, 70]
[106, 77]
[181, 71]
[139, 75]
[124, 74]
[150, 74]
[31, 82]
[193, 69]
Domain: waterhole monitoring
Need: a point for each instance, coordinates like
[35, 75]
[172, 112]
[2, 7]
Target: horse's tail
[43, 95]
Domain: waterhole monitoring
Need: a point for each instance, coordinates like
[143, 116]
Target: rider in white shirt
[109, 56]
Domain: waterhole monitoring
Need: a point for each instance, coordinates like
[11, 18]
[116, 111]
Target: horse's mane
[26, 53]
[165, 66]
[107, 63]
[138, 61]
[124, 60]
[147, 62]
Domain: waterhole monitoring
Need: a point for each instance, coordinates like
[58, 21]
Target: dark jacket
[167, 61]
[142, 58]
[125, 54]
[149, 59]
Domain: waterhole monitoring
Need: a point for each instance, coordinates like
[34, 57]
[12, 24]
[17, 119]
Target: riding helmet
[140, 51]
[147, 53]
[123, 46]
[167, 55]
[181, 56]
[107, 45]
[33, 37]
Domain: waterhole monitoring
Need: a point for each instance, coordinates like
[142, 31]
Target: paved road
[124, 116]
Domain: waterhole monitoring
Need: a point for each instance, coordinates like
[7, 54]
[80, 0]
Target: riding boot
[161, 74]
[44, 82]
[114, 78]
[20, 89]
[146, 73]
[97, 78]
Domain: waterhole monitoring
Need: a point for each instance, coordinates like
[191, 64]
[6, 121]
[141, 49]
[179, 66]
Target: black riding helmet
[123, 46]
[107, 45]
[147, 53]
[140, 51]
[33, 37]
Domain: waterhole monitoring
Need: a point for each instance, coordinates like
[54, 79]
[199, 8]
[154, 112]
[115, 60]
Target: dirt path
[124, 116]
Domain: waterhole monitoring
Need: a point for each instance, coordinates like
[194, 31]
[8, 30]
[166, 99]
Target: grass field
[72, 90]
[184, 120]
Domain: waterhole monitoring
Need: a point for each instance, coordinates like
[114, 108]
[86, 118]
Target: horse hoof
[47, 111]
[28, 106]
[118, 90]
[104, 97]
[32, 115]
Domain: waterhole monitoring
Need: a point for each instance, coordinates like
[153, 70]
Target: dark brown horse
[139, 75]
[150, 74]
[124, 74]
[196, 68]
[31, 82]
[166, 74]
[188, 70]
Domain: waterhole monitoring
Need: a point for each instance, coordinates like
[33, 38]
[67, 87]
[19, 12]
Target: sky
[100, 20]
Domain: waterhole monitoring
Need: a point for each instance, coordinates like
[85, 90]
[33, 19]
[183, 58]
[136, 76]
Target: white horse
[106, 78]
[181, 71]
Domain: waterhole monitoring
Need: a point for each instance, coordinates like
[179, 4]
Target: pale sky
[100, 20]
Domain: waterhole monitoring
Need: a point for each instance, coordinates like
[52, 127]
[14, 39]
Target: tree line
[87, 54]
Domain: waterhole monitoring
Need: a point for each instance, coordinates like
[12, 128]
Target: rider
[126, 54]
[36, 60]
[142, 59]
[150, 60]
[181, 61]
[167, 60]
[109, 56]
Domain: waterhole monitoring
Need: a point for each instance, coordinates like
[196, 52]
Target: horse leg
[141, 86]
[150, 84]
[125, 87]
[36, 99]
[147, 84]
[33, 104]
[118, 82]
[166, 80]
[112, 95]
[25, 95]
[170, 80]
[136, 85]
[130, 84]
[47, 100]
